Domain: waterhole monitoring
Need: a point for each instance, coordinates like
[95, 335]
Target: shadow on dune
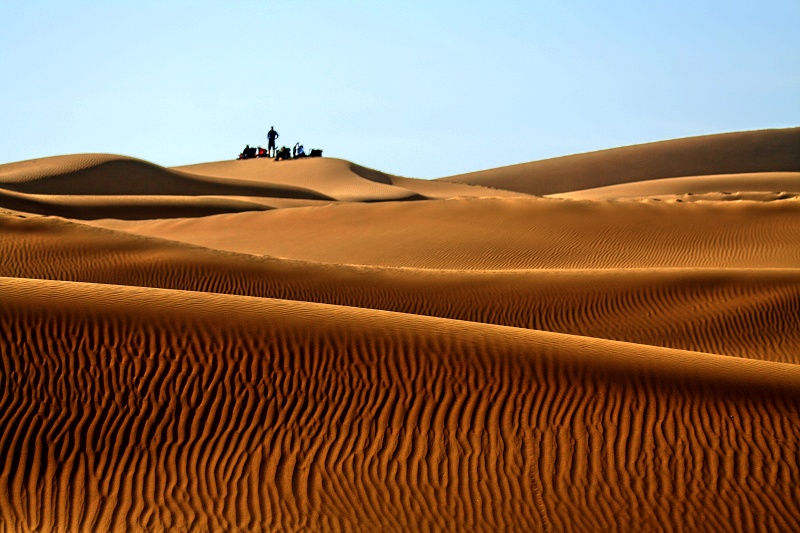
[124, 207]
[117, 175]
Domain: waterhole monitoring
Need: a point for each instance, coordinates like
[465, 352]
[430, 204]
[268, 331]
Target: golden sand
[316, 346]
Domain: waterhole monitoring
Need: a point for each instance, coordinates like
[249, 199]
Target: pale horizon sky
[421, 89]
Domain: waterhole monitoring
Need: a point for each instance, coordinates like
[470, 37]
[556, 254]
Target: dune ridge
[314, 345]
[127, 207]
[340, 179]
[118, 175]
[730, 186]
[773, 150]
[92, 186]
[738, 312]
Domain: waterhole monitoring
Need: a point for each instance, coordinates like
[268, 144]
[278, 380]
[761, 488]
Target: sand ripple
[749, 313]
[130, 408]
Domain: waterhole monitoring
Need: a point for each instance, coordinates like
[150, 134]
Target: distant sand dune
[128, 207]
[728, 153]
[339, 179]
[137, 408]
[314, 345]
[335, 178]
[94, 186]
[97, 174]
[746, 313]
[776, 183]
[506, 233]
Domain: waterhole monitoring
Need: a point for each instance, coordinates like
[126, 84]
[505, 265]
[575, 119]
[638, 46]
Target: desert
[606, 341]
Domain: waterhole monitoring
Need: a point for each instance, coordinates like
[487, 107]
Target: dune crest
[774, 150]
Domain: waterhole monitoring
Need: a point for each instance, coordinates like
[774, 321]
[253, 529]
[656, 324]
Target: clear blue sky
[420, 88]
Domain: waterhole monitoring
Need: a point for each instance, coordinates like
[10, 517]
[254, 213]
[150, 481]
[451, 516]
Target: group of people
[279, 155]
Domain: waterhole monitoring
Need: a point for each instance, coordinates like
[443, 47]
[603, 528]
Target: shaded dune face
[130, 207]
[102, 175]
[93, 186]
[129, 408]
[100, 186]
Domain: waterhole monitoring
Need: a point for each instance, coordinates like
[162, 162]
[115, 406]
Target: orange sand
[316, 346]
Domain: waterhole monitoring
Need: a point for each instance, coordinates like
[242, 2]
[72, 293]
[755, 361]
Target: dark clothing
[247, 153]
[272, 135]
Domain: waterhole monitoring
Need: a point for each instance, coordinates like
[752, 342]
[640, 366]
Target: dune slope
[196, 411]
[506, 233]
[117, 175]
[728, 153]
[314, 345]
[340, 179]
[739, 312]
[772, 185]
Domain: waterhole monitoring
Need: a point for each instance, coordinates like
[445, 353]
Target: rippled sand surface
[316, 346]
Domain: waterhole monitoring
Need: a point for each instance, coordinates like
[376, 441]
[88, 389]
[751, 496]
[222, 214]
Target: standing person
[271, 137]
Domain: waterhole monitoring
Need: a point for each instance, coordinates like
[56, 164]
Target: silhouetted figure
[300, 151]
[272, 136]
[315, 152]
[248, 152]
[262, 152]
[283, 154]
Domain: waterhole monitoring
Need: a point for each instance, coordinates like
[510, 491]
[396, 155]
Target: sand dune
[117, 175]
[729, 153]
[97, 186]
[506, 233]
[770, 185]
[107, 186]
[128, 207]
[335, 178]
[339, 179]
[745, 312]
[313, 345]
[334, 418]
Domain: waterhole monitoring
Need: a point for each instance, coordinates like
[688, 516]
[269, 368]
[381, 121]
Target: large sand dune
[317, 346]
[506, 233]
[730, 153]
[746, 312]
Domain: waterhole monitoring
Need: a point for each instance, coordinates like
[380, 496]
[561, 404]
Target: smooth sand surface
[729, 153]
[759, 185]
[505, 233]
[313, 345]
[339, 179]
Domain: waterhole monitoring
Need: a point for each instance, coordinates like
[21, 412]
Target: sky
[418, 88]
